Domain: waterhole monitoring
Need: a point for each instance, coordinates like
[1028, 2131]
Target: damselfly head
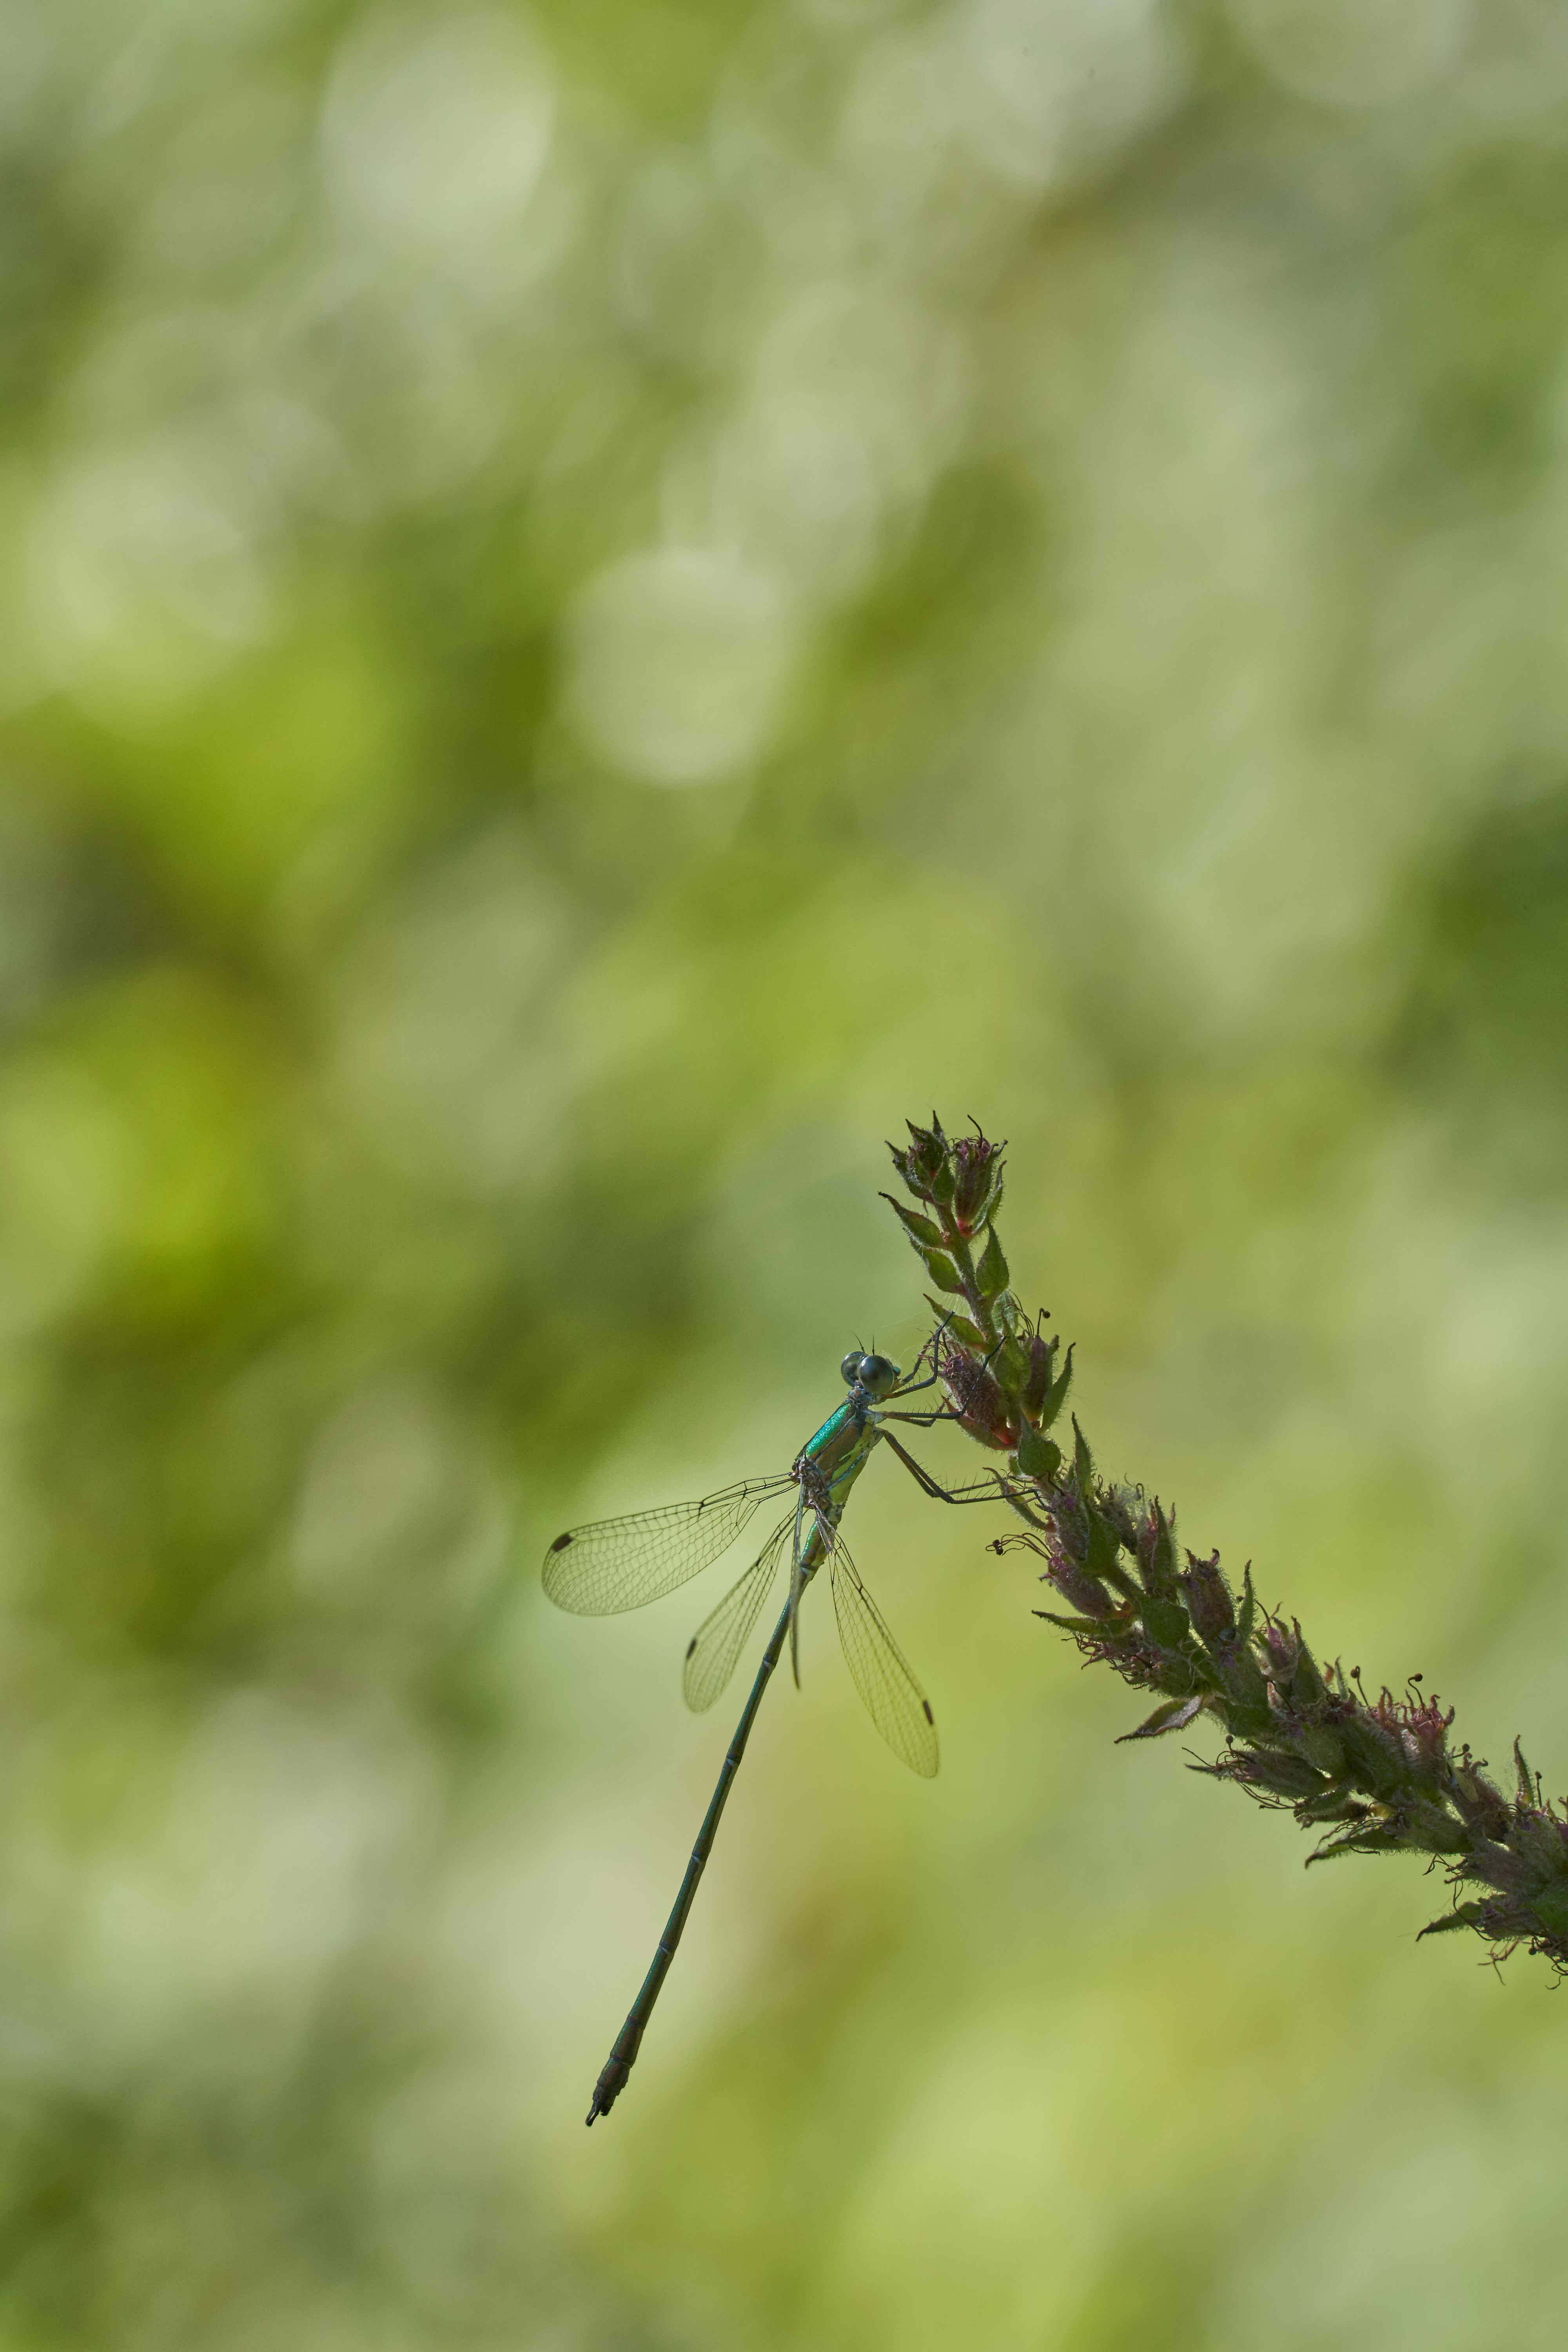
[877, 1375]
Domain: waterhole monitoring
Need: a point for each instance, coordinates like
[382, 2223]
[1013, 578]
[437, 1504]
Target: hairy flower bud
[1040, 1357]
[977, 1181]
[924, 1162]
[975, 1397]
[1086, 1595]
[1209, 1601]
[1280, 1650]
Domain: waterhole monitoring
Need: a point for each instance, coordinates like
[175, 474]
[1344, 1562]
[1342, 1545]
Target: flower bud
[925, 1160]
[977, 1174]
[1157, 1553]
[1209, 1601]
[1087, 1596]
[1041, 1355]
[1280, 1650]
[977, 1397]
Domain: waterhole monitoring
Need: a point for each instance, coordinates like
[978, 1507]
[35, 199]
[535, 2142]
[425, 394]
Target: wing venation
[608, 1565]
[717, 1645]
[883, 1675]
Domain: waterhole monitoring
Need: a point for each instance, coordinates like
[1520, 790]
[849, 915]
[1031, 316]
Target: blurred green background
[600, 603]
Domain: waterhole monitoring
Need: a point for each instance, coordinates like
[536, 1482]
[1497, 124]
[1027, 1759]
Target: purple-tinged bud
[1480, 1804]
[928, 1145]
[925, 1160]
[1041, 1355]
[1281, 1649]
[975, 1397]
[1209, 1600]
[977, 1174]
[1116, 1505]
[1424, 1731]
[1088, 1597]
[1070, 1523]
[1272, 1769]
[1157, 1553]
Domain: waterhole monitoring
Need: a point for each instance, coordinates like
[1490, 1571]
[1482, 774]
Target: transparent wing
[614, 1564]
[894, 1700]
[720, 1639]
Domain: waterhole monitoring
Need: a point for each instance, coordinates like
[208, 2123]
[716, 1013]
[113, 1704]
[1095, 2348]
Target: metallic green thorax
[828, 1465]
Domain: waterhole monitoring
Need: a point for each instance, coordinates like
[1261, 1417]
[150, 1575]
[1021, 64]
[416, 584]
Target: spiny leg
[985, 1493]
[905, 1387]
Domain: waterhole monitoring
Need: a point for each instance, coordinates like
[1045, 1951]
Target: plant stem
[1374, 1775]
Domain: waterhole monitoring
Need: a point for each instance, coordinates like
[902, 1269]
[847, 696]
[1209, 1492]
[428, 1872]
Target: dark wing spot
[692, 1645]
[930, 1718]
[562, 1541]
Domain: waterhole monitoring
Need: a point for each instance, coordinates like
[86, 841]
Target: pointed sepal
[1171, 1715]
[992, 1271]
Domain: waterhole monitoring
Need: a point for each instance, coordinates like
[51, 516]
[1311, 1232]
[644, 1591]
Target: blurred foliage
[600, 601]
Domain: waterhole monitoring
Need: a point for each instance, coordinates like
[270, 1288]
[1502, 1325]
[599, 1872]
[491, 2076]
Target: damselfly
[615, 1564]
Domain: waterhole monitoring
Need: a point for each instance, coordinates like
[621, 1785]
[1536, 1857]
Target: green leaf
[1325, 1747]
[1041, 1355]
[1332, 1804]
[921, 1229]
[1362, 1840]
[1526, 1778]
[1463, 1915]
[1165, 1622]
[1083, 1460]
[1056, 1394]
[1037, 1456]
[1169, 1716]
[1283, 1774]
[1103, 1547]
[942, 1269]
[1248, 1720]
[1113, 1630]
[967, 1334]
[1550, 1905]
[1308, 1688]
[992, 1271]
